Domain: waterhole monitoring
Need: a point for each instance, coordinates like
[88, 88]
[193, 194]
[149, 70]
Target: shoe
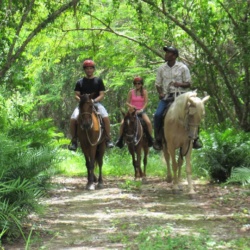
[119, 143]
[109, 144]
[150, 141]
[197, 144]
[157, 145]
[73, 146]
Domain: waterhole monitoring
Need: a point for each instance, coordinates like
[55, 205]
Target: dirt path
[114, 216]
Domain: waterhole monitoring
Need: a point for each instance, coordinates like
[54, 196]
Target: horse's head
[130, 125]
[195, 112]
[85, 111]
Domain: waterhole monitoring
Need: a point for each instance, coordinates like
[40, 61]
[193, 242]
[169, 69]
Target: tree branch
[39, 28]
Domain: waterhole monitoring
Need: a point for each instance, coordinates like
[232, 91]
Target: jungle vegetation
[43, 44]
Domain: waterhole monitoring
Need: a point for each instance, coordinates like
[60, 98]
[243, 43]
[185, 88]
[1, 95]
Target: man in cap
[172, 78]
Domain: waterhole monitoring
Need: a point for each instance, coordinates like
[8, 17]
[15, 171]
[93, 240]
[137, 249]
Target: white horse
[180, 129]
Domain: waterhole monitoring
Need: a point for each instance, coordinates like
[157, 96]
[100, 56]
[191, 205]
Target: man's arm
[181, 84]
[160, 91]
[100, 97]
[77, 95]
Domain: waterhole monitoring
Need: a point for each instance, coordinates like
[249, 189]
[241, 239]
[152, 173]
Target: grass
[117, 162]
[163, 238]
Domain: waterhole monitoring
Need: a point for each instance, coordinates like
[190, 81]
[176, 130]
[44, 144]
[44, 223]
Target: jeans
[158, 116]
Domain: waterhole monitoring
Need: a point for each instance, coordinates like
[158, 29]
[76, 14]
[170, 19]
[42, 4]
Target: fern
[223, 151]
[240, 175]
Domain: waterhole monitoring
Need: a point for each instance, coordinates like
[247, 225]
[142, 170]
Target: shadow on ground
[113, 217]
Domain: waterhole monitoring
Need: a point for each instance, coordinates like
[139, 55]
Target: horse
[180, 129]
[92, 139]
[136, 140]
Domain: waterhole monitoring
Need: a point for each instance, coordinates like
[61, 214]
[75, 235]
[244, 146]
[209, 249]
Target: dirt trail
[109, 218]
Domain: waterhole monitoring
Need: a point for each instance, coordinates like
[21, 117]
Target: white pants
[103, 112]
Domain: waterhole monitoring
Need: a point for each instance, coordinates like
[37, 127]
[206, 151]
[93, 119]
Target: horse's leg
[167, 159]
[87, 161]
[175, 168]
[189, 173]
[91, 166]
[100, 163]
[145, 161]
[180, 162]
[131, 151]
[138, 161]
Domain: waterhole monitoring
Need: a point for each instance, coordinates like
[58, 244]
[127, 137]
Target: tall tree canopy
[44, 42]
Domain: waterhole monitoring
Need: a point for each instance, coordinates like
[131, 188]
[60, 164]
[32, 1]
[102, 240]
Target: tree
[17, 30]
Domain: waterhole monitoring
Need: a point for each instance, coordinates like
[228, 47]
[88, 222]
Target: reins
[135, 135]
[100, 130]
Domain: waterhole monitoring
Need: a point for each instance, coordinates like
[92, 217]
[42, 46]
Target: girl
[138, 99]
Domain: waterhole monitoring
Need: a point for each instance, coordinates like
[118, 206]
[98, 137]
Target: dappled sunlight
[111, 217]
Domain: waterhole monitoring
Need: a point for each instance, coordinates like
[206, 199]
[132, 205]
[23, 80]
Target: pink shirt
[137, 101]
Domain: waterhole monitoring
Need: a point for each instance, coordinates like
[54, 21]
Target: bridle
[133, 136]
[91, 126]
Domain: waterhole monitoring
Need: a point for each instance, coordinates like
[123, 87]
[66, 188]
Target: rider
[138, 99]
[172, 78]
[87, 85]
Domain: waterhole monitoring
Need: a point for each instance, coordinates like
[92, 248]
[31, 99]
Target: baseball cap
[171, 49]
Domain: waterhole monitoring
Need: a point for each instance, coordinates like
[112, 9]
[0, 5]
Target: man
[87, 85]
[173, 78]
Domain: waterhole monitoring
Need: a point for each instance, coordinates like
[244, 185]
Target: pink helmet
[88, 63]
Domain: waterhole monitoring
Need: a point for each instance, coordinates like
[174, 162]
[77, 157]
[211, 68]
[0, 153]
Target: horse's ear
[205, 98]
[91, 96]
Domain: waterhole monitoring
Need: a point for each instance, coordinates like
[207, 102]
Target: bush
[222, 152]
[27, 157]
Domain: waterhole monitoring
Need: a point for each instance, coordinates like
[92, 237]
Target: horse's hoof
[144, 180]
[90, 187]
[99, 186]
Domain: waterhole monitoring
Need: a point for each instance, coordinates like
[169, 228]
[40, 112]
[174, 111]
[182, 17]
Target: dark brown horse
[92, 140]
[136, 140]
[180, 129]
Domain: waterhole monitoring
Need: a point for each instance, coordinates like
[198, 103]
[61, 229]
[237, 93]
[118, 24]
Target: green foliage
[157, 238]
[28, 156]
[117, 162]
[240, 175]
[222, 152]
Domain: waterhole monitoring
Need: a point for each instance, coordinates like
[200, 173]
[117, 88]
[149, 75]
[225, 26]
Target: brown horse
[136, 140]
[92, 139]
[180, 129]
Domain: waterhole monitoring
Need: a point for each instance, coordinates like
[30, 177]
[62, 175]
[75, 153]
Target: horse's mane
[84, 98]
[178, 109]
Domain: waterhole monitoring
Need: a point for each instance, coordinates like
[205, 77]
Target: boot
[149, 138]
[197, 143]
[73, 144]
[157, 145]
[109, 143]
[73, 132]
[120, 142]
[150, 141]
